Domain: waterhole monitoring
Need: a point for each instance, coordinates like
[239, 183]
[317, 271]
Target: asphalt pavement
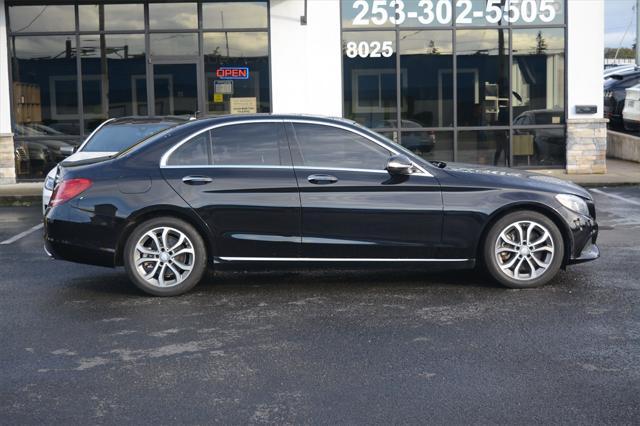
[79, 344]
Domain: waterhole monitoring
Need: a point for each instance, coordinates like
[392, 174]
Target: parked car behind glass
[614, 95]
[631, 111]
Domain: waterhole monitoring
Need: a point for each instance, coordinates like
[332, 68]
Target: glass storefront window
[426, 61]
[30, 19]
[538, 76]
[430, 145]
[490, 147]
[482, 77]
[45, 82]
[89, 17]
[113, 77]
[174, 44]
[173, 16]
[539, 147]
[369, 62]
[241, 51]
[234, 14]
[124, 17]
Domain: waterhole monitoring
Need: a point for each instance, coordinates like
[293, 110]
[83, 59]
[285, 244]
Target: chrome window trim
[227, 166]
[333, 259]
[166, 155]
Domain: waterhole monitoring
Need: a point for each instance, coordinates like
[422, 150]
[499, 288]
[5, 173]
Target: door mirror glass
[400, 165]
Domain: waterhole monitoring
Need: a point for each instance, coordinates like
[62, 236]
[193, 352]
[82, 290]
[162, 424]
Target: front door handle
[322, 179]
[196, 180]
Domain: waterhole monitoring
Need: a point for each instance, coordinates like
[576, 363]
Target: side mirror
[400, 165]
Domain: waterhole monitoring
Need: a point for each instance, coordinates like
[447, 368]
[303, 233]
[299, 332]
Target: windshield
[117, 137]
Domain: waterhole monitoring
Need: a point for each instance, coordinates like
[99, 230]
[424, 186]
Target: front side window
[331, 147]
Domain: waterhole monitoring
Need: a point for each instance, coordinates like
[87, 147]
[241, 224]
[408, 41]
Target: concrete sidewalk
[619, 172]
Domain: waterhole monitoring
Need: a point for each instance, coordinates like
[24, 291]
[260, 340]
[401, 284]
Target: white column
[585, 56]
[7, 159]
[306, 64]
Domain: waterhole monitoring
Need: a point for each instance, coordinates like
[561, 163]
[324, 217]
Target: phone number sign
[416, 13]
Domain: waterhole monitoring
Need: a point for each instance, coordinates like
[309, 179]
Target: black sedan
[281, 190]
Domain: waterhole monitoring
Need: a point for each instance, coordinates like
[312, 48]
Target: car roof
[269, 116]
[150, 119]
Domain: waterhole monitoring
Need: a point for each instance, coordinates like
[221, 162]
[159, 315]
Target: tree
[541, 44]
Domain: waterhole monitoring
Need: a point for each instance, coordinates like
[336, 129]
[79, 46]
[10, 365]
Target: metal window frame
[150, 61]
[453, 27]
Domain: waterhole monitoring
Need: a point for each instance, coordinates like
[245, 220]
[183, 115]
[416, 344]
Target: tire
[517, 263]
[170, 264]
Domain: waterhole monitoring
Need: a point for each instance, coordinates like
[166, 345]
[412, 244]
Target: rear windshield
[118, 137]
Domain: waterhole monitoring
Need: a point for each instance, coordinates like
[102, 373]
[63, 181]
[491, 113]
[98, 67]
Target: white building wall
[5, 104]
[306, 64]
[585, 55]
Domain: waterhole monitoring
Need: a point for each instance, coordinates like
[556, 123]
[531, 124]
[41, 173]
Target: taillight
[67, 189]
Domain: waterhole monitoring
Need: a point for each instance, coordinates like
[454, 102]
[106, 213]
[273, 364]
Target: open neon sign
[233, 73]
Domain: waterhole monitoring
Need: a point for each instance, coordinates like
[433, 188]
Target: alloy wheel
[524, 250]
[164, 257]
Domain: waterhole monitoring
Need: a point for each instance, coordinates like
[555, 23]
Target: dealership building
[492, 82]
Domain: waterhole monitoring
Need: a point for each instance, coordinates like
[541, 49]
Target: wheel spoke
[542, 239]
[518, 227]
[507, 240]
[181, 252]
[176, 274]
[543, 248]
[516, 270]
[152, 274]
[146, 260]
[144, 250]
[533, 268]
[179, 243]
[165, 238]
[540, 263]
[154, 237]
[182, 266]
[161, 281]
[506, 250]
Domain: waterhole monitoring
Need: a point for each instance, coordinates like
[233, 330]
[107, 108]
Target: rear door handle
[196, 180]
[322, 179]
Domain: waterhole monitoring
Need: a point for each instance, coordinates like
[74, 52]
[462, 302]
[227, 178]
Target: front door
[175, 88]
[352, 208]
[239, 179]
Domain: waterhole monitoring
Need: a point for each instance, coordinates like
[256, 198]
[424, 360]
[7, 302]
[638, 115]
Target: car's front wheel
[165, 256]
[523, 249]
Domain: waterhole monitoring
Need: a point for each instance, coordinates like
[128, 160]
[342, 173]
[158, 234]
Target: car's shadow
[329, 281]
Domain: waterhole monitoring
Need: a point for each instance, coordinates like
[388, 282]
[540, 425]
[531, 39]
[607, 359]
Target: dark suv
[614, 95]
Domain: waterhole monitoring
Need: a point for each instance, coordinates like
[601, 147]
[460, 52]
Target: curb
[20, 200]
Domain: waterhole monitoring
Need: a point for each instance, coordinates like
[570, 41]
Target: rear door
[239, 179]
[352, 208]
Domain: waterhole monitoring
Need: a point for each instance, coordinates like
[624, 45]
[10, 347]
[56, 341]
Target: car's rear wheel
[523, 249]
[165, 256]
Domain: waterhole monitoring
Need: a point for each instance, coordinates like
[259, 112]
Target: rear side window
[194, 152]
[253, 144]
[326, 146]
[118, 137]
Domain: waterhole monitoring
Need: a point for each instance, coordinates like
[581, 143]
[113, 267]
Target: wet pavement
[79, 344]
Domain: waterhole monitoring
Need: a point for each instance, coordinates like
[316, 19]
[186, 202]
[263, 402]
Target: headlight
[573, 203]
[49, 183]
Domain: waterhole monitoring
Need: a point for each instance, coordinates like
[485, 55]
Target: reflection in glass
[238, 14]
[426, 62]
[363, 14]
[29, 19]
[113, 77]
[124, 16]
[175, 89]
[370, 81]
[176, 44]
[89, 16]
[538, 76]
[489, 147]
[430, 145]
[45, 82]
[539, 147]
[236, 49]
[172, 16]
[483, 77]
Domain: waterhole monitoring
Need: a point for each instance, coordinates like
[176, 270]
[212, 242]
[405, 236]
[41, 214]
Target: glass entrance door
[175, 88]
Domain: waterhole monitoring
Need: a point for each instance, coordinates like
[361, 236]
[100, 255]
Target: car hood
[514, 178]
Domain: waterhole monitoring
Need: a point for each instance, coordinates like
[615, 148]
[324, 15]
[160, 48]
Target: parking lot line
[617, 197]
[22, 234]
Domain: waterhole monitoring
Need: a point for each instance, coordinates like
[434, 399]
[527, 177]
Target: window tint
[253, 144]
[325, 146]
[116, 137]
[195, 152]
